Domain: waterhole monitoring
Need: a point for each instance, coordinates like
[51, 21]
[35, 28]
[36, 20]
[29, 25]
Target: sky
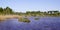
[31, 5]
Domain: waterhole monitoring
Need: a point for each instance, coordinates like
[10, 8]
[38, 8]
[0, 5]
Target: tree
[1, 9]
[8, 10]
[56, 11]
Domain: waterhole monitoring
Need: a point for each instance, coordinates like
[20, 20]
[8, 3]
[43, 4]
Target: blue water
[44, 23]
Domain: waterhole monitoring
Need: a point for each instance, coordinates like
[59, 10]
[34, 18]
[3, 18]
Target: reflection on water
[44, 23]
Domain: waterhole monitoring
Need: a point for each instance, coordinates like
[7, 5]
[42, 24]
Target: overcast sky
[31, 5]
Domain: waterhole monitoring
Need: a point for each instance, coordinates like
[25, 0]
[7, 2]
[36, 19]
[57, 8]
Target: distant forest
[9, 11]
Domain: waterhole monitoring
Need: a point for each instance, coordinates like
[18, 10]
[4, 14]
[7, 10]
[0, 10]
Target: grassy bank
[4, 17]
[20, 18]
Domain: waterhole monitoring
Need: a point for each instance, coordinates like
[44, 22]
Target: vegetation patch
[37, 18]
[24, 20]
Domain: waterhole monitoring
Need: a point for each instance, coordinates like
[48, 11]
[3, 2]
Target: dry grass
[3, 17]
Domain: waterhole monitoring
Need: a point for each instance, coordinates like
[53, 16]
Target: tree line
[8, 10]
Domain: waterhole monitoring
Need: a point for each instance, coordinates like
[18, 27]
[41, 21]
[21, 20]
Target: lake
[43, 23]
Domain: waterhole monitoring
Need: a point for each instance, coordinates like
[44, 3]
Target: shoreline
[4, 17]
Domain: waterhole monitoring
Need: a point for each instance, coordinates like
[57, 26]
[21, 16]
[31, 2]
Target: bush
[24, 20]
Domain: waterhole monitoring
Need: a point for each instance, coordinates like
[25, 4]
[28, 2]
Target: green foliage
[8, 10]
[1, 9]
[24, 20]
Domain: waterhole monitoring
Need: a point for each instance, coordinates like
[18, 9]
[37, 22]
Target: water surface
[44, 23]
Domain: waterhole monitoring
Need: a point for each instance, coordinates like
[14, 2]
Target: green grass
[24, 20]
